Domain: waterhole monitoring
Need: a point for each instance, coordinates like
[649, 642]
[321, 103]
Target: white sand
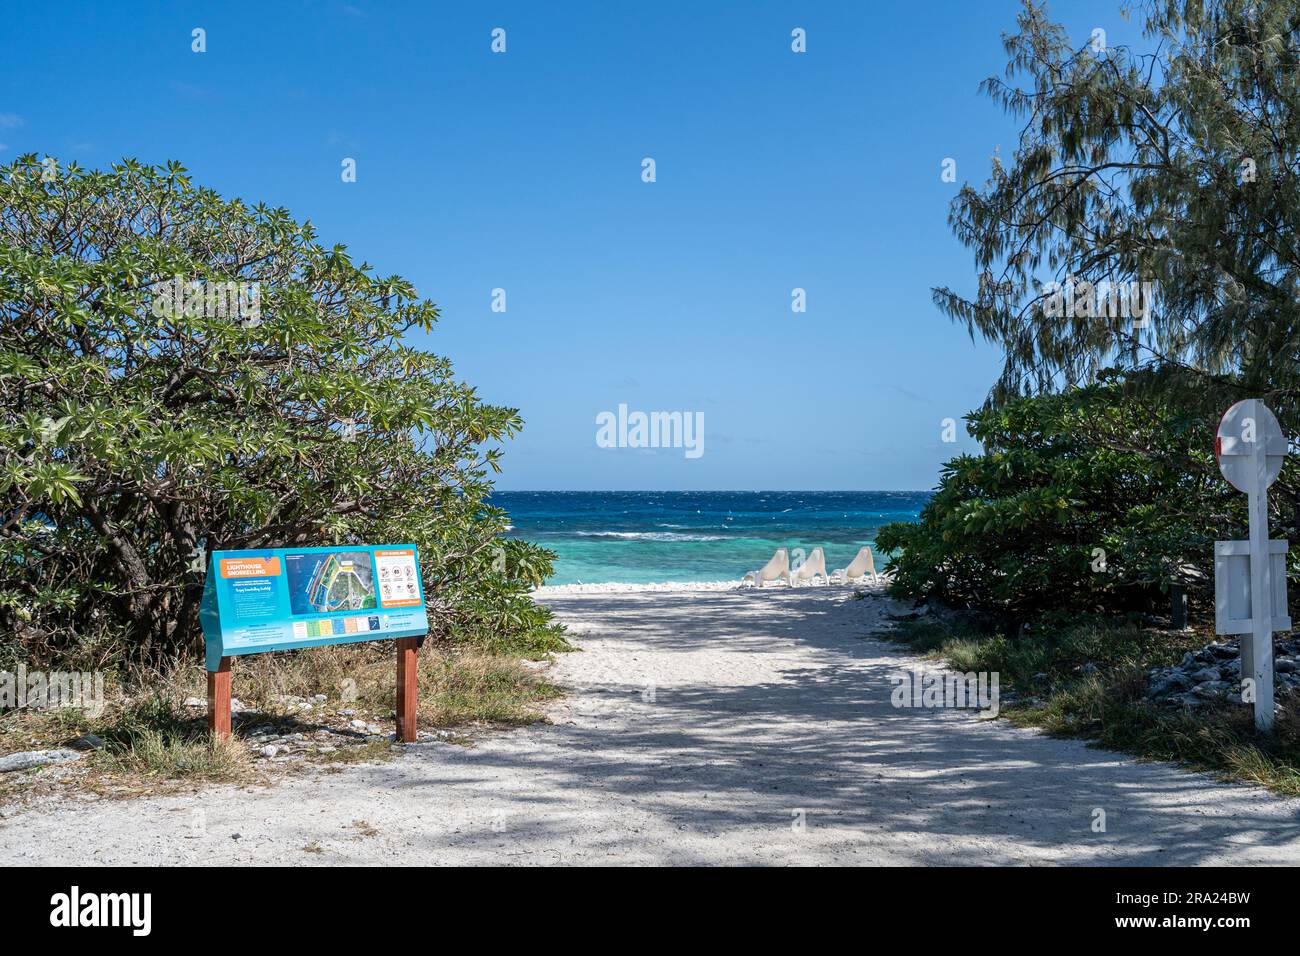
[699, 726]
[549, 591]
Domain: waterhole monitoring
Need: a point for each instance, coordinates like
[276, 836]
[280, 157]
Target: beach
[695, 537]
[702, 726]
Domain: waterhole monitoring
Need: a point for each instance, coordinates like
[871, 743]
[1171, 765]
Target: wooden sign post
[407, 662]
[1250, 596]
[407, 692]
[219, 699]
[287, 598]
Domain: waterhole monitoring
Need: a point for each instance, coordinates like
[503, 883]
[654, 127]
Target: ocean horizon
[652, 537]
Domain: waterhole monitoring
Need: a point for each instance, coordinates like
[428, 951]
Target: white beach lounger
[812, 568]
[775, 570]
[861, 566]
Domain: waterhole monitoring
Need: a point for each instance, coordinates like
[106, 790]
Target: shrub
[273, 402]
[1098, 497]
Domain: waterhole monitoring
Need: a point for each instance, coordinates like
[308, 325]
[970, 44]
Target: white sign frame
[1251, 447]
[1232, 607]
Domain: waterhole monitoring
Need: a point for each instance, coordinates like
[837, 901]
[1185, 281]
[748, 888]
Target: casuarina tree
[1147, 215]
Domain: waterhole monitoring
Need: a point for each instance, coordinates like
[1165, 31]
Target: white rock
[270, 750]
[26, 759]
[195, 702]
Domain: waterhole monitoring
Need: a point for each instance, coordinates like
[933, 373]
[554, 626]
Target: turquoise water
[645, 537]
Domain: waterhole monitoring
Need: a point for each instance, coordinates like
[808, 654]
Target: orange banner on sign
[250, 567]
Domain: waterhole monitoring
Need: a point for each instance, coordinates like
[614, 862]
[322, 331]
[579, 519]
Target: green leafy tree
[1146, 222]
[1096, 498]
[181, 373]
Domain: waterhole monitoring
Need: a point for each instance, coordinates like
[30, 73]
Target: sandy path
[698, 727]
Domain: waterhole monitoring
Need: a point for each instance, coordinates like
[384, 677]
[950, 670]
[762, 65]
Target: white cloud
[10, 119]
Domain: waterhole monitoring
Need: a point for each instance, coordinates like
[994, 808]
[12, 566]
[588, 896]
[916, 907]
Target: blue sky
[523, 171]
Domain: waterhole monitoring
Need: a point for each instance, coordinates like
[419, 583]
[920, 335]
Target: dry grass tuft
[151, 739]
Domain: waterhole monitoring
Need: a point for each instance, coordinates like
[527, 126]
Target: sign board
[1232, 610]
[284, 598]
[1250, 576]
[1245, 426]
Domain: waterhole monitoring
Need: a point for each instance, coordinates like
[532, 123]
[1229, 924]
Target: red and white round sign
[1250, 446]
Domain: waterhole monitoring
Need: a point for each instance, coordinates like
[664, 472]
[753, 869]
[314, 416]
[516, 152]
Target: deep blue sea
[644, 537]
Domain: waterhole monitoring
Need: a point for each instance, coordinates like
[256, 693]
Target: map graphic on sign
[273, 599]
[330, 581]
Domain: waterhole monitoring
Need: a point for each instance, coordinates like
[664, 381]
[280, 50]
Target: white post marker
[1250, 594]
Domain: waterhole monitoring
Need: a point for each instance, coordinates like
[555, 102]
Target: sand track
[700, 728]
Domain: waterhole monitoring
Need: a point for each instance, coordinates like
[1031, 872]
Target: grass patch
[151, 738]
[481, 688]
[145, 738]
[372, 751]
[456, 685]
[155, 754]
[1087, 678]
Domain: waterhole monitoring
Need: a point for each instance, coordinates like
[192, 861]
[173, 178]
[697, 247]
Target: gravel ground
[702, 727]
